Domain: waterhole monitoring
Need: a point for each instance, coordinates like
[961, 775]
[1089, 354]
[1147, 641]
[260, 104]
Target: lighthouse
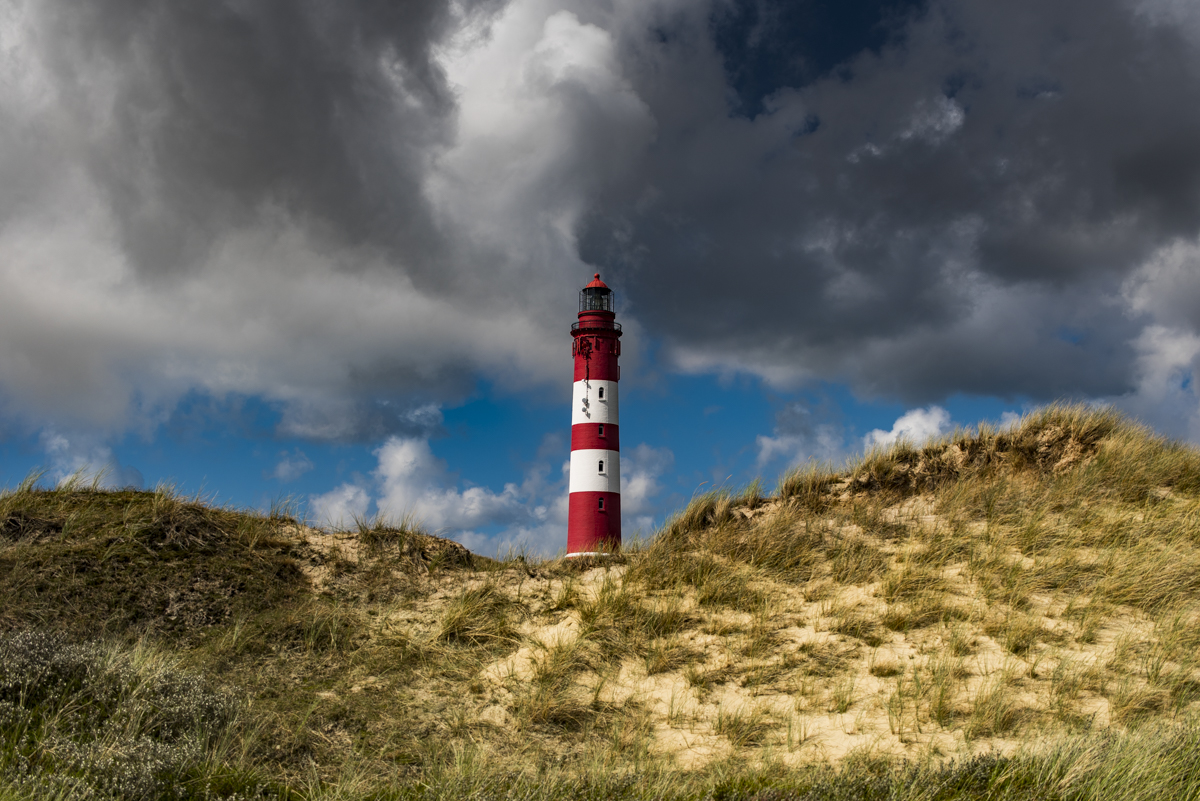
[594, 517]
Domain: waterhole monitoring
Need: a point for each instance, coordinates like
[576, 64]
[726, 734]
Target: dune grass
[1002, 613]
[129, 563]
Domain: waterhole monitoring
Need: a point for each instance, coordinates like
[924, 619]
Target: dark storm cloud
[927, 218]
[230, 197]
[323, 108]
[354, 209]
[766, 46]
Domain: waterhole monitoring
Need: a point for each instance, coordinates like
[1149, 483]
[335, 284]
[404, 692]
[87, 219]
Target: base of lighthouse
[593, 523]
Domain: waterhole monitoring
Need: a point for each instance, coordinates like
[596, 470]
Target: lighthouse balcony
[598, 325]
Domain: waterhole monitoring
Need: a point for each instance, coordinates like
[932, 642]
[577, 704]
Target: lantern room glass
[595, 298]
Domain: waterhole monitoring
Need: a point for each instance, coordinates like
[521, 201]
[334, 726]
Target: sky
[326, 254]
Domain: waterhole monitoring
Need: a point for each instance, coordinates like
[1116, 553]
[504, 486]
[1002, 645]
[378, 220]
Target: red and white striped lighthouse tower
[594, 519]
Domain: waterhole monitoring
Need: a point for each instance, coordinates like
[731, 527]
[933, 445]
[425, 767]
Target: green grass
[70, 557]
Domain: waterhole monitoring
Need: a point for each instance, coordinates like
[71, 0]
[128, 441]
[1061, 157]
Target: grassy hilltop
[1002, 613]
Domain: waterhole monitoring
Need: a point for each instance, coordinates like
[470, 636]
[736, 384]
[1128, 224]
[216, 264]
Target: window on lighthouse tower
[601, 504]
[601, 393]
[601, 465]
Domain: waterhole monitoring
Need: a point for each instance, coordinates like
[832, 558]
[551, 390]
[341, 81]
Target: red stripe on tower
[594, 515]
[602, 436]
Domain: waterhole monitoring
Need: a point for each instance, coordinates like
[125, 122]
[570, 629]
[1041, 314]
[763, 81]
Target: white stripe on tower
[594, 470]
[594, 402]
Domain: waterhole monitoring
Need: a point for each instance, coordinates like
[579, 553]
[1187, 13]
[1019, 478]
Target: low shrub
[90, 720]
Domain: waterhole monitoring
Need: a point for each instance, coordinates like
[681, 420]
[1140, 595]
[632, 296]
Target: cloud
[340, 507]
[291, 465]
[825, 446]
[1164, 294]
[803, 432]
[345, 420]
[934, 121]
[83, 458]
[201, 115]
[925, 220]
[1166, 396]
[232, 199]
[357, 211]
[916, 426]
[413, 481]
[641, 469]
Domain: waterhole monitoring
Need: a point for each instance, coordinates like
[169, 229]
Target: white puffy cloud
[413, 481]
[409, 481]
[543, 535]
[826, 445]
[916, 426]
[340, 507]
[1166, 395]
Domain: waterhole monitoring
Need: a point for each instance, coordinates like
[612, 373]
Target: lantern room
[596, 296]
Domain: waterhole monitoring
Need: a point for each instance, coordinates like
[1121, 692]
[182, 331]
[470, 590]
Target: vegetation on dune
[129, 563]
[1005, 613]
[88, 720]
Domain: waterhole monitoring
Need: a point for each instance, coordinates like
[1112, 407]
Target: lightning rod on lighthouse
[594, 517]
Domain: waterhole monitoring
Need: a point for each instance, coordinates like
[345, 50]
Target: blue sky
[330, 252]
[683, 434]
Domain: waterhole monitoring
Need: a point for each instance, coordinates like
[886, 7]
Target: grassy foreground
[1007, 614]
